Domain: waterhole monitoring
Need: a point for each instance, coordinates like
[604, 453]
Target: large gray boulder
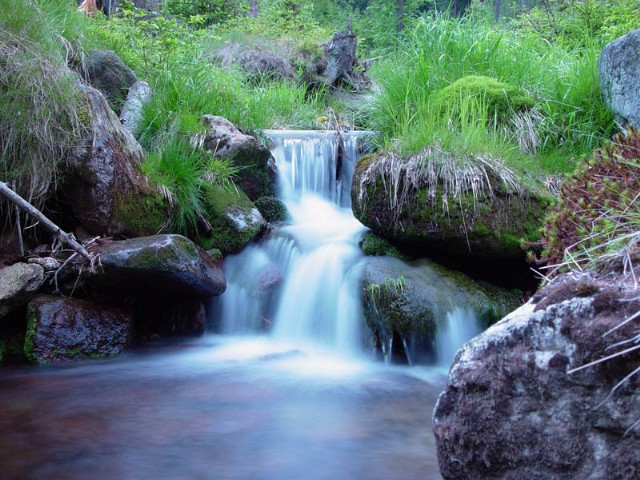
[105, 188]
[106, 72]
[18, 283]
[619, 67]
[257, 174]
[512, 410]
[161, 265]
[61, 328]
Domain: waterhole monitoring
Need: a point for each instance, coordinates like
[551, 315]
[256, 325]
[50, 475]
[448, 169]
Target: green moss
[29, 339]
[373, 245]
[141, 214]
[272, 209]
[497, 98]
[226, 235]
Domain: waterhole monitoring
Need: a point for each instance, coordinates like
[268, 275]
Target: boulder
[18, 283]
[104, 186]
[257, 175]
[234, 219]
[61, 328]
[512, 408]
[439, 202]
[131, 115]
[106, 72]
[272, 209]
[619, 69]
[413, 302]
[160, 265]
[171, 318]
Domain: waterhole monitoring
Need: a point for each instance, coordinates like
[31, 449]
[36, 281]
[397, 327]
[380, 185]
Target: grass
[41, 110]
[439, 51]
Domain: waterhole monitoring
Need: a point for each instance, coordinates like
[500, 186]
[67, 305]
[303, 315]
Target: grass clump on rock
[41, 105]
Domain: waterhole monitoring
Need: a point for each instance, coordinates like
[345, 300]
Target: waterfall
[459, 326]
[302, 283]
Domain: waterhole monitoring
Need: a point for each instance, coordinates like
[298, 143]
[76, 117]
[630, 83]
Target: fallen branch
[29, 209]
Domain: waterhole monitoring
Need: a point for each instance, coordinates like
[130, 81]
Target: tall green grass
[41, 110]
[440, 50]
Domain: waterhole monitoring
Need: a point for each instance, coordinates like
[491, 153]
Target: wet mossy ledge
[435, 202]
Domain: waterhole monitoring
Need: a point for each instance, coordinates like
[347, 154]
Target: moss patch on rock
[375, 246]
[471, 206]
[272, 209]
[140, 214]
[496, 98]
[234, 219]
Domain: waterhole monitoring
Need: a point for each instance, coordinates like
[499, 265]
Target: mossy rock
[485, 224]
[234, 218]
[496, 97]
[61, 328]
[411, 300]
[273, 210]
[140, 214]
[168, 265]
[375, 246]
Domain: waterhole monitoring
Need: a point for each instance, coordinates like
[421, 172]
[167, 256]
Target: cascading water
[459, 326]
[303, 281]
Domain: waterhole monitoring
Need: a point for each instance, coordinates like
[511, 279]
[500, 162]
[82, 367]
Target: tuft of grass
[41, 106]
[181, 173]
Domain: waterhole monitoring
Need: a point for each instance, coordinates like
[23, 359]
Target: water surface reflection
[218, 409]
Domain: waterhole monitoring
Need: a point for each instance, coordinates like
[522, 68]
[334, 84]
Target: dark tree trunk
[400, 11]
[496, 16]
[253, 9]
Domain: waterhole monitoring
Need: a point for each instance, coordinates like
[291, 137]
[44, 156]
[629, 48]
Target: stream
[287, 389]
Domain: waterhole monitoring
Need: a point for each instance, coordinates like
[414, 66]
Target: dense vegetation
[437, 67]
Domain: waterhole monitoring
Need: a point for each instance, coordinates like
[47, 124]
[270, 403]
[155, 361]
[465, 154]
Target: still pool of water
[219, 408]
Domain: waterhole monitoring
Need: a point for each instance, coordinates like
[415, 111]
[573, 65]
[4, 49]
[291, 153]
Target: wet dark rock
[512, 410]
[257, 175]
[171, 318]
[106, 72]
[619, 68]
[18, 283]
[159, 265]
[60, 328]
[104, 186]
[411, 301]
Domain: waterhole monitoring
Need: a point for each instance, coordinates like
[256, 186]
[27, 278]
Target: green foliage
[380, 294]
[568, 120]
[203, 13]
[182, 174]
[582, 22]
[598, 209]
[376, 246]
[39, 97]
